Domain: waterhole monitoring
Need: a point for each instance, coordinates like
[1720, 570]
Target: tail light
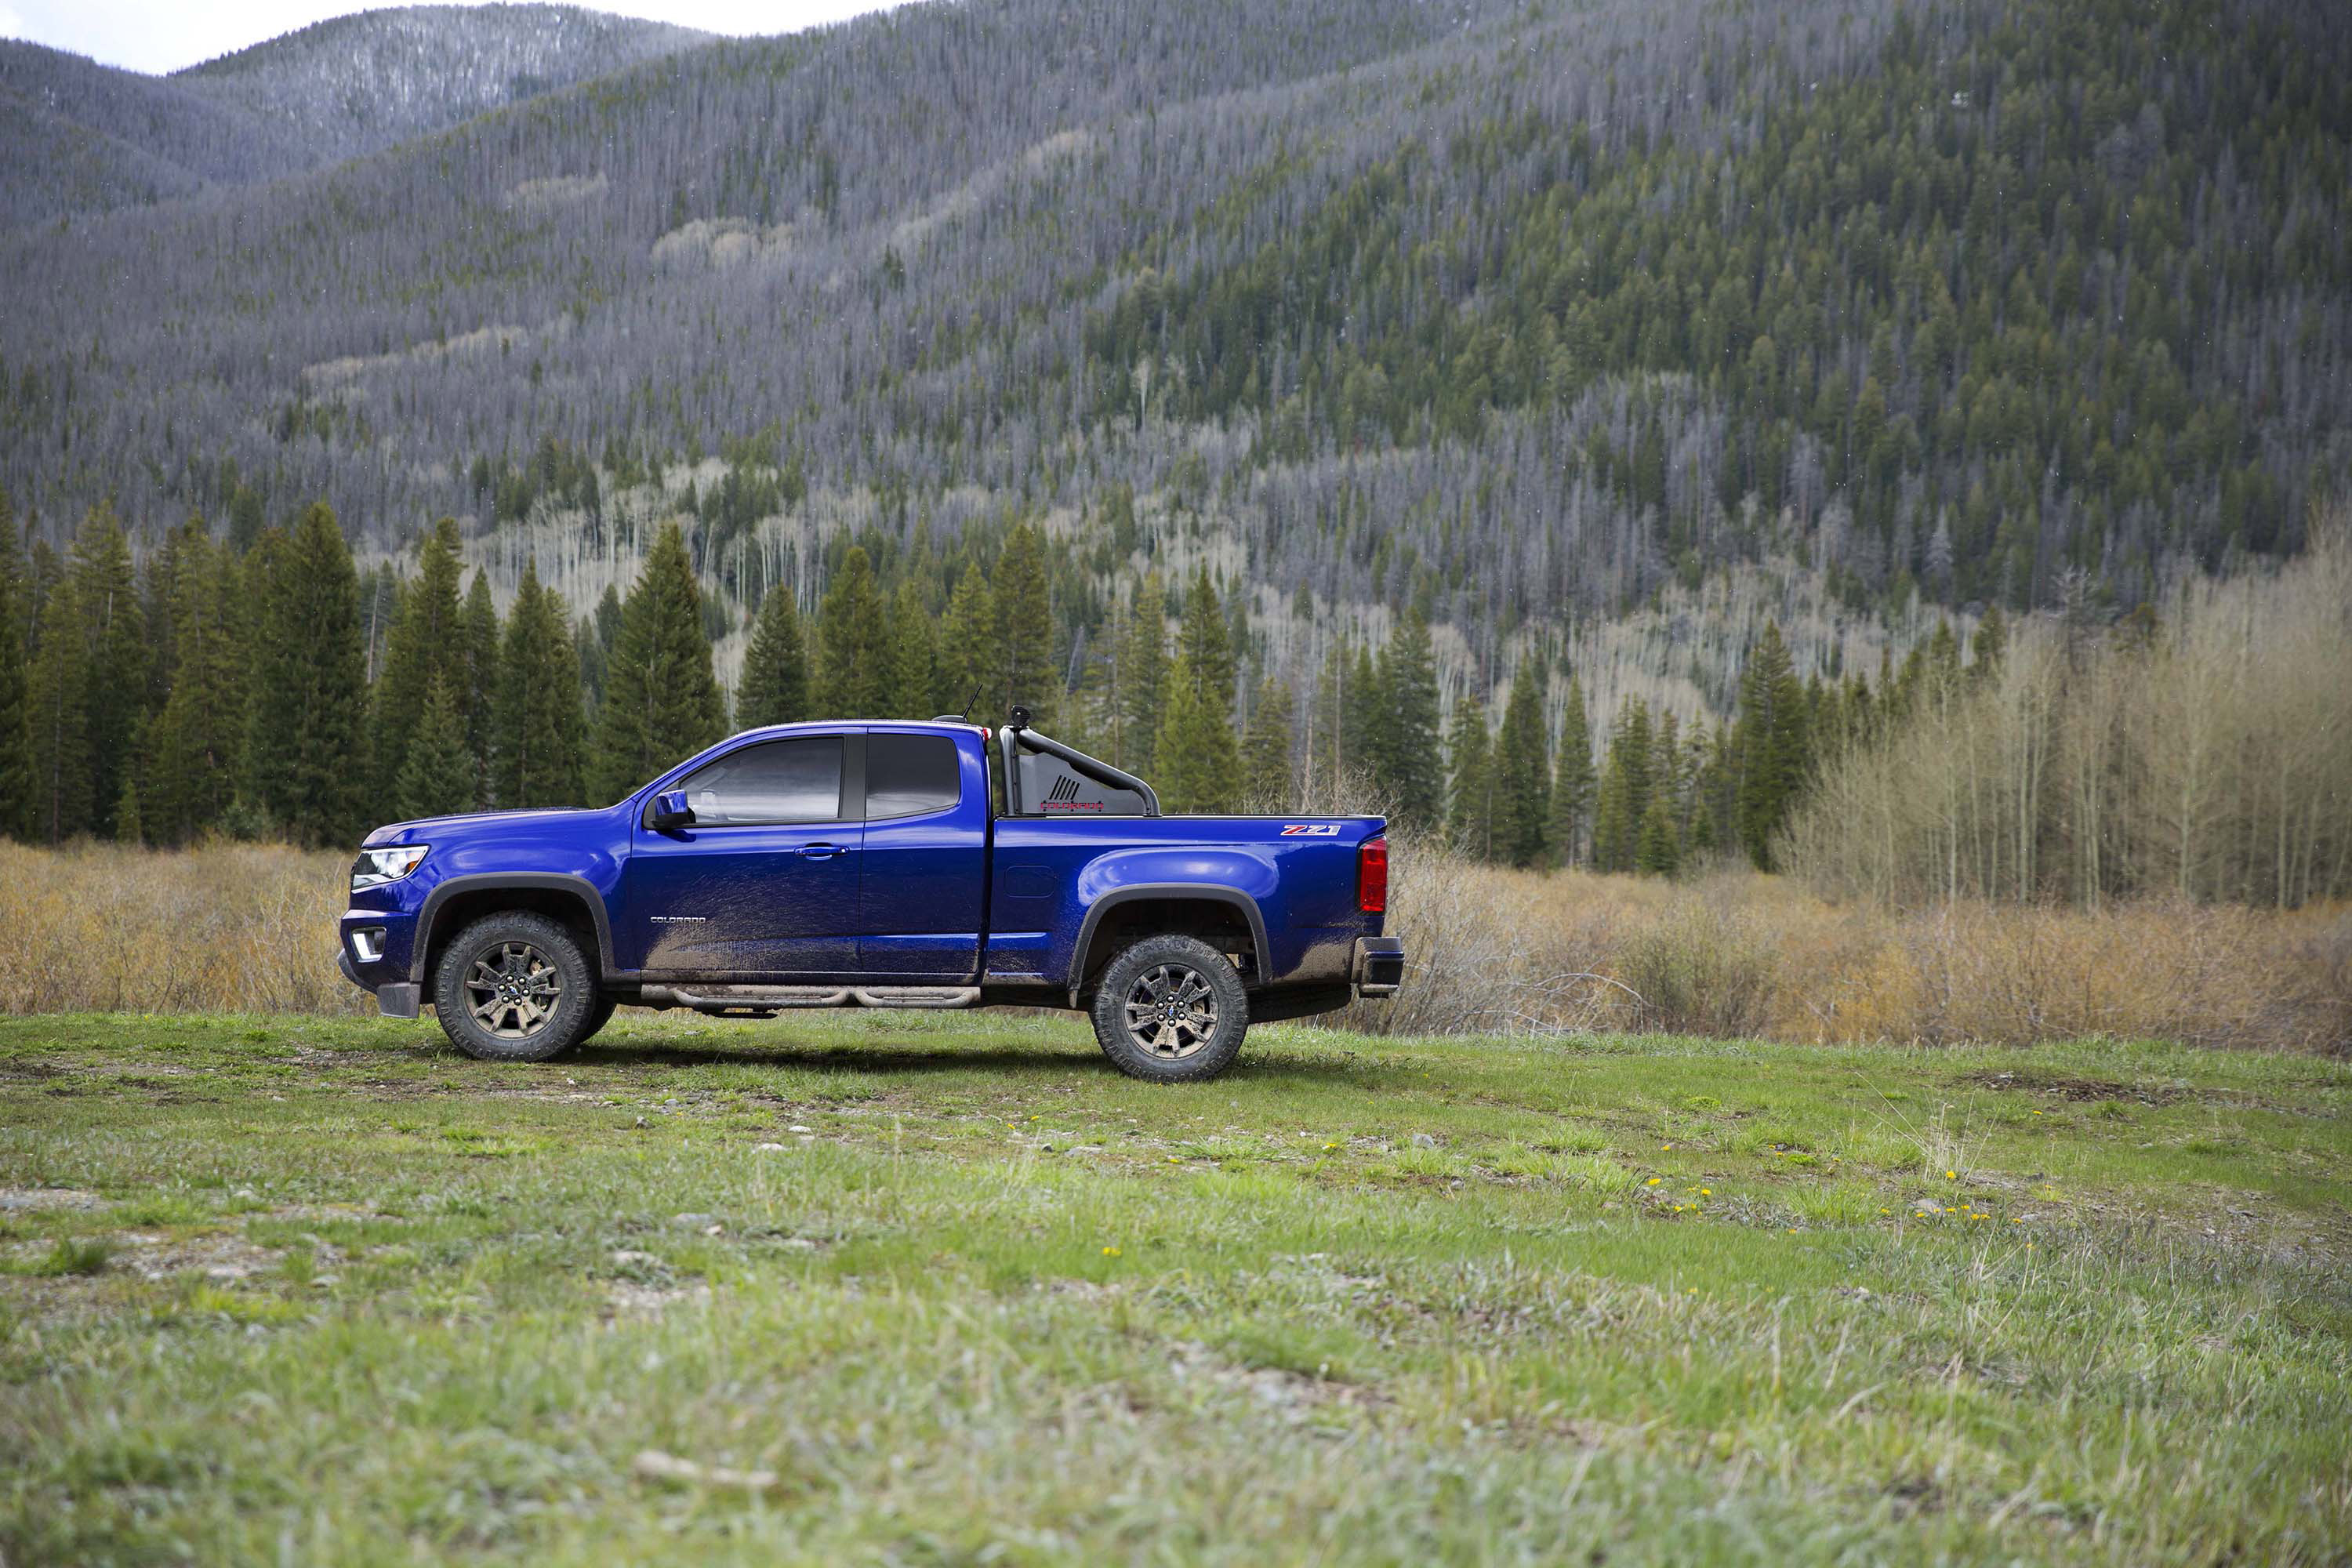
[1372, 877]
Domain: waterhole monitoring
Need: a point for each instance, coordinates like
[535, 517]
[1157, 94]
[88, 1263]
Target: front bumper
[394, 998]
[1378, 967]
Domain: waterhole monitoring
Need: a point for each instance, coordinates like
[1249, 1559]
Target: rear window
[906, 775]
[777, 781]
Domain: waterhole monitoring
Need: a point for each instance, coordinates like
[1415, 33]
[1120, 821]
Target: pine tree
[1522, 772]
[128, 827]
[593, 637]
[1197, 756]
[194, 744]
[1324, 706]
[662, 703]
[58, 738]
[1265, 749]
[1714, 796]
[1356, 714]
[1142, 658]
[425, 640]
[536, 712]
[1204, 642]
[854, 644]
[1027, 671]
[1407, 762]
[912, 675]
[1471, 794]
[774, 688]
[1772, 744]
[306, 745]
[479, 694]
[1988, 647]
[156, 575]
[1943, 654]
[1200, 764]
[1659, 851]
[1571, 779]
[967, 647]
[1624, 795]
[106, 592]
[438, 778]
[1667, 780]
[16, 671]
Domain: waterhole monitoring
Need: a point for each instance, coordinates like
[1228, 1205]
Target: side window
[778, 781]
[906, 775]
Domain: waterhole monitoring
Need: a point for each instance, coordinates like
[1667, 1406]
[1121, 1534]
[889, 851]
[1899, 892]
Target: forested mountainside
[353, 84]
[1526, 315]
[79, 137]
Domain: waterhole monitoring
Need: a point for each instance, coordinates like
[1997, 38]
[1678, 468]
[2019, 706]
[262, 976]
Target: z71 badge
[1310, 830]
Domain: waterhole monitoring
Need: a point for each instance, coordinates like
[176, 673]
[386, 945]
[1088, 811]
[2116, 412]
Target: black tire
[533, 995]
[1171, 1009]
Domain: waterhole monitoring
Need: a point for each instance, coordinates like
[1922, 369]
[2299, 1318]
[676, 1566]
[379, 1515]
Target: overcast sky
[161, 34]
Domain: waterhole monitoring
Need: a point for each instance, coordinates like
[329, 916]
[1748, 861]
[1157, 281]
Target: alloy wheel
[513, 990]
[1171, 1011]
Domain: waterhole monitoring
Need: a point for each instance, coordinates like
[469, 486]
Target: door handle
[823, 851]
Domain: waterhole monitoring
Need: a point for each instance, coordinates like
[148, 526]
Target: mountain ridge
[1525, 315]
[340, 89]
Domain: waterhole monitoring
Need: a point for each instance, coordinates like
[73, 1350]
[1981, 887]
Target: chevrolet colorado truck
[881, 865]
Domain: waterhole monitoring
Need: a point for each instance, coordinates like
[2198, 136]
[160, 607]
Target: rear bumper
[1378, 966]
[394, 998]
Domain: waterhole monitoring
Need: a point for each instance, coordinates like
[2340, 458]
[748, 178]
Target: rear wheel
[515, 987]
[1171, 1009]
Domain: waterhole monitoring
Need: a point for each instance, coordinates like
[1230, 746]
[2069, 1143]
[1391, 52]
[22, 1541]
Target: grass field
[946, 1291]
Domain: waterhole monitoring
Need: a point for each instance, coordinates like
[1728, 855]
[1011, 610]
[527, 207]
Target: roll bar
[1017, 736]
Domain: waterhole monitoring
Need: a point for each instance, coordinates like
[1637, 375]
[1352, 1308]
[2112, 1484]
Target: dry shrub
[1706, 968]
[2323, 956]
[228, 927]
[1737, 953]
[1489, 949]
[250, 927]
[2202, 977]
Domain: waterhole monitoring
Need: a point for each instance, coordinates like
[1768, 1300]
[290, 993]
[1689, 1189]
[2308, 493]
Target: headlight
[374, 867]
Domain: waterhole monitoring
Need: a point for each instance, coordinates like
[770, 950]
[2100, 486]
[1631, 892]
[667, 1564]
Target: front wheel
[514, 987]
[1171, 1009]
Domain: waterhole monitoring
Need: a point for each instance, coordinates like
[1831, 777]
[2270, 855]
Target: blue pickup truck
[880, 865]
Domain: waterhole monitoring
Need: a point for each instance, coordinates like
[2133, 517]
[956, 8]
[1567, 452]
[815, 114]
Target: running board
[769, 998]
[938, 997]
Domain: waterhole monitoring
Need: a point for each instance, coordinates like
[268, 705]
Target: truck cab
[870, 863]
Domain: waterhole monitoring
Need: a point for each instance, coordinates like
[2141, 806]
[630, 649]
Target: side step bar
[773, 998]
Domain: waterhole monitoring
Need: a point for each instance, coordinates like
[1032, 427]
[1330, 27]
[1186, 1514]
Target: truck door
[763, 883]
[924, 857]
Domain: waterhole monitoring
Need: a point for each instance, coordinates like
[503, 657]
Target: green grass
[321, 1291]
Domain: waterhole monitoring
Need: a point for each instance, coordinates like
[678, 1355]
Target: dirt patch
[41, 1199]
[2083, 1090]
[633, 1299]
[224, 1259]
[1293, 1395]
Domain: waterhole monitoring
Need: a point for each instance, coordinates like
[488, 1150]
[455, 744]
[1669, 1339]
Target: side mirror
[670, 812]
